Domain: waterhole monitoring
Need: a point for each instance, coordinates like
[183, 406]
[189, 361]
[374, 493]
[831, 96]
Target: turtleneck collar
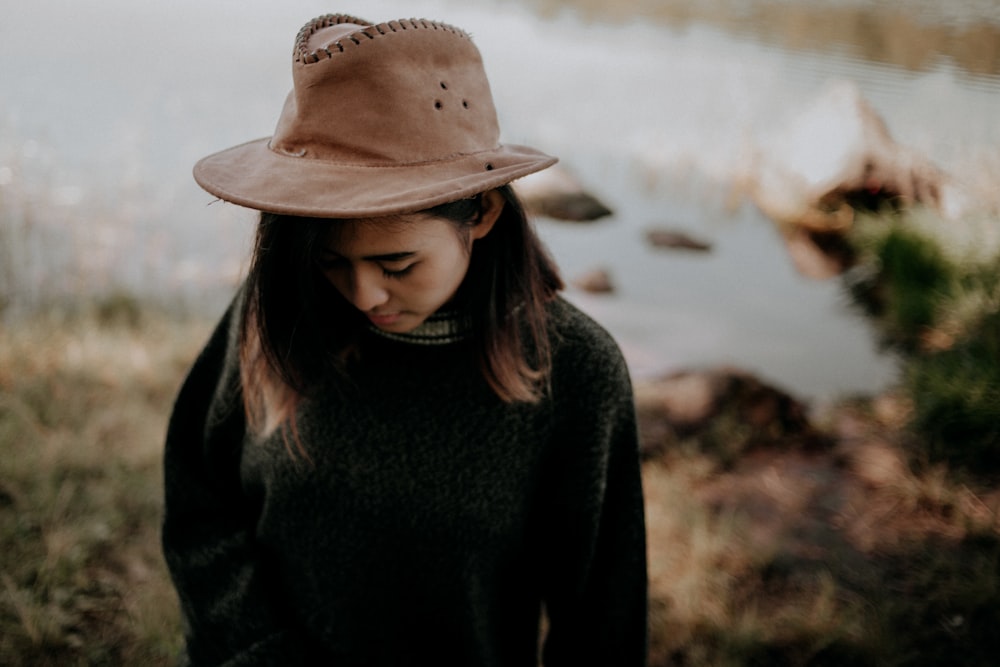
[441, 328]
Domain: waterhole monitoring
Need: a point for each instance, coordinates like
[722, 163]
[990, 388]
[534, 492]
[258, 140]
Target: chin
[401, 324]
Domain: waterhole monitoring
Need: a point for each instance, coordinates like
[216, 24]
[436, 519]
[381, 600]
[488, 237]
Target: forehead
[376, 236]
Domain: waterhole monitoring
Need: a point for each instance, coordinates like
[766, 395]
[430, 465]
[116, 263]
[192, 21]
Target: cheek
[426, 287]
[458, 267]
[440, 281]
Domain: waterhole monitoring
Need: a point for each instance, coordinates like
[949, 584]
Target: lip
[383, 320]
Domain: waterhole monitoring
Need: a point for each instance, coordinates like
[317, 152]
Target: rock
[876, 463]
[668, 238]
[818, 255]
[836, 156]
[597, 281]
[684, 400]
[724, 411]
[555, 193]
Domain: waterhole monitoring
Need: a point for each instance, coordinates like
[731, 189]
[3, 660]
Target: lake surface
[105, 106]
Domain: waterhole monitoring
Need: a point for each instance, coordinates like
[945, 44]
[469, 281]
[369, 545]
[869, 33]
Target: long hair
[292, 317]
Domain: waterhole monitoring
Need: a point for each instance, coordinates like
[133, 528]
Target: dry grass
[693, 566]
[718, 554]
[778, 558]
[846, 555]
[83, 408]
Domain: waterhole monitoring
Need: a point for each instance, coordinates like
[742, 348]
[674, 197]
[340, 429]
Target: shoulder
[571, 328]
[590, 388]
[212, 382]
[582, 349]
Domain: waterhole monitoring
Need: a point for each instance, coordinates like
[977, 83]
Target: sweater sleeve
[595, 577]
[208, 523]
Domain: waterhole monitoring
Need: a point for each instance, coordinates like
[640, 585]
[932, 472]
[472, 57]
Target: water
[105, 107]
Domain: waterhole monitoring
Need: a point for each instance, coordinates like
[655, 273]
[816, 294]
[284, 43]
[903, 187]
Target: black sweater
[431, 522]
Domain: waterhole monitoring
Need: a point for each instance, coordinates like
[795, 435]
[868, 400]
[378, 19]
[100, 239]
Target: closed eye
[397, 273]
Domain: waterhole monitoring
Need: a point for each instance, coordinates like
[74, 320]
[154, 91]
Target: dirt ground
[819, 523]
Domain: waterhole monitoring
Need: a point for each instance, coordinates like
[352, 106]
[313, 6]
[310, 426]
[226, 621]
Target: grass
[717, 598]
[932, 289]
[83, 407]
[869, 546]
[957, 401]
[844, 557]
[908, 569]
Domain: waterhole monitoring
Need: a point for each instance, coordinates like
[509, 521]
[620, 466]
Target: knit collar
[441, 328]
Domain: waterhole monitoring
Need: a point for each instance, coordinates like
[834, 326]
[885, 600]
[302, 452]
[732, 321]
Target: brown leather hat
[383, 119]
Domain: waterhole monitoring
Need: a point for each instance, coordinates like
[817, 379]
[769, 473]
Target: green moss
[918, 279]
[904, 281]
[956, 398]
[937, 304]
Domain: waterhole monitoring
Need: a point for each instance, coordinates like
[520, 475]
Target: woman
[400, 445]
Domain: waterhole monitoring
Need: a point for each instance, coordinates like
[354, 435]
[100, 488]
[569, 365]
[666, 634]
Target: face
[399, 272]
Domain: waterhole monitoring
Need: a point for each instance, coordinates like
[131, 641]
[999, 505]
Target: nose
[366, 290]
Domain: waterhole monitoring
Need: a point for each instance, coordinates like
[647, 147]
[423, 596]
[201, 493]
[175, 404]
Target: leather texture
[383, 119]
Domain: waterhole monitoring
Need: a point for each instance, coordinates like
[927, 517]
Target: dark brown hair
[292, 316]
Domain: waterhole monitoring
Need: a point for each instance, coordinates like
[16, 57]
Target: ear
[493, 203]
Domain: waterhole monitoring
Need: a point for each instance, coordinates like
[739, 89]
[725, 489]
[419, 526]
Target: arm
[595, 548]
[208, 526]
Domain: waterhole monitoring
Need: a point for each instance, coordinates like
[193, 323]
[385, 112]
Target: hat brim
[254, 176]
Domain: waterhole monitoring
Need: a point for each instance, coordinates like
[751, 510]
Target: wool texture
[430, 524]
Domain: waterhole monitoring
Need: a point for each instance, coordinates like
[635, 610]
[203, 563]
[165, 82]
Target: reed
[83, 407]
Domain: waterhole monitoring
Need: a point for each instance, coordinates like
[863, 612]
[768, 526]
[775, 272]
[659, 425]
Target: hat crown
[397, 93]
[383, 119]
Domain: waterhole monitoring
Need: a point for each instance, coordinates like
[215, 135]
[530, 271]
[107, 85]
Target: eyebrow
[387, 257]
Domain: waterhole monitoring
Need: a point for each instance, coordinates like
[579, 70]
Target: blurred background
[657, 107]
[779, 534]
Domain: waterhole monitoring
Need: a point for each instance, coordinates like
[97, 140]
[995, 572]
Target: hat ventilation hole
[489, 166]
[438, 104]
[465, 104]
[444, 86]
